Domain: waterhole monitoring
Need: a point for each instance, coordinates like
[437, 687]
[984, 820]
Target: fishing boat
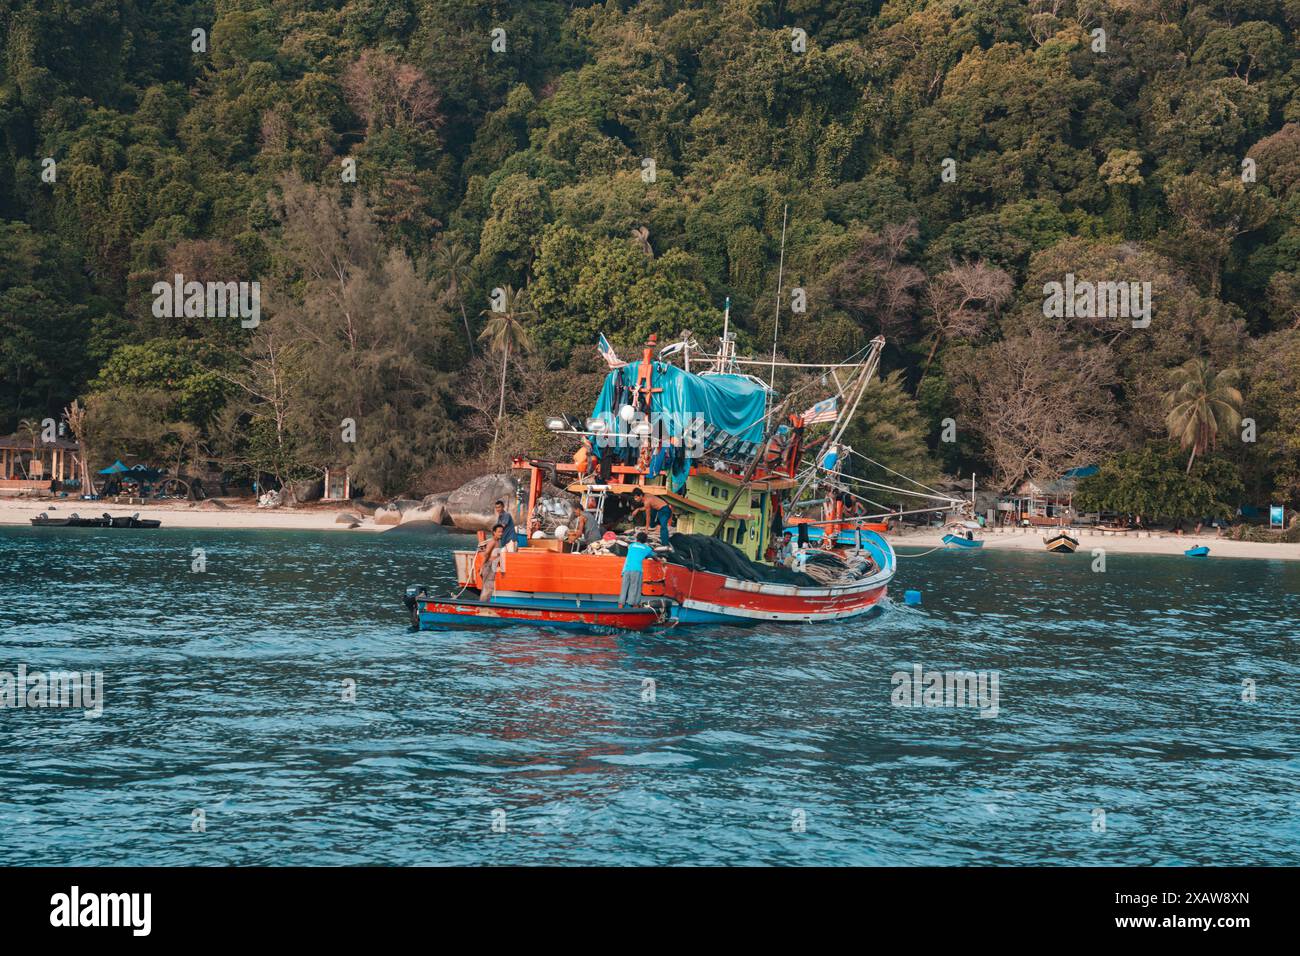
[959, 542]
[1061, 543]
[430, 613]
[728, 458]
[1200, 551]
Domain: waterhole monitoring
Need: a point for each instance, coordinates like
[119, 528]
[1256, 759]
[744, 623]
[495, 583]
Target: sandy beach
[243, 513]
[213, 513]
[1145, 542]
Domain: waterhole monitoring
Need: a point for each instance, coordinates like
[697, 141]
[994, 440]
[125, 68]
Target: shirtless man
[660, 511]
[493, 557]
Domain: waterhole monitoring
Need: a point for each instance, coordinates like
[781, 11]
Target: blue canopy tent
[116, 468]
[730, 409]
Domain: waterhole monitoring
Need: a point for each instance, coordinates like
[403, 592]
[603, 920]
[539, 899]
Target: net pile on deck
[702, 552]
[827, 568]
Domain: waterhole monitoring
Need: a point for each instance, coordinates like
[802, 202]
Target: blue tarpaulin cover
[731, 406]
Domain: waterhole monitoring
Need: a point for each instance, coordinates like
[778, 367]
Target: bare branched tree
[962, 299]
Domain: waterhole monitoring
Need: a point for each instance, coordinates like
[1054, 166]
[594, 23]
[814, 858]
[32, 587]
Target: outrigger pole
[869, 366]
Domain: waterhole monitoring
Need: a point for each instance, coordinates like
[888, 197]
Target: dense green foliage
[625, 166]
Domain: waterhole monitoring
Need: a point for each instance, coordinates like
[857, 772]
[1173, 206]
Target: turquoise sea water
[223, 692]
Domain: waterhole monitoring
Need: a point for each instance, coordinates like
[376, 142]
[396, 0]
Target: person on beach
[659, 511]
[637, 552]
[493, 561]
[505, 520]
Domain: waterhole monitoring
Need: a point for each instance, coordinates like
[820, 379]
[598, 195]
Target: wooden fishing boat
[710, 448]
[1200, 551]
[1061, 543]
[961, 543]
[430, 613]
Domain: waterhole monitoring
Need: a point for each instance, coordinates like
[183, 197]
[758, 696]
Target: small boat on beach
[1061, 543]
[1200, 551]
[105, 520]
[961, 543]
[428, 613]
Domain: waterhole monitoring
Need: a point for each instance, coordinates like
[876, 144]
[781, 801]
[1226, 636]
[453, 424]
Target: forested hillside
[381, 166]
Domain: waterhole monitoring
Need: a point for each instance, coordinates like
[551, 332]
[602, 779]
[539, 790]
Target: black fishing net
[702, 552]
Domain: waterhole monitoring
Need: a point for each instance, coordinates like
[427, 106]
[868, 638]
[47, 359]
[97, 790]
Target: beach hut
[338, 484]
[29, 464]
[1044, 503]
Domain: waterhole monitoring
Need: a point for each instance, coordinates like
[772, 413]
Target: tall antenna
[780, 276]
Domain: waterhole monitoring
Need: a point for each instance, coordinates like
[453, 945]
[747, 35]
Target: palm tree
[503, 332]
[1201, 403]
[640, 237]
[451, 259]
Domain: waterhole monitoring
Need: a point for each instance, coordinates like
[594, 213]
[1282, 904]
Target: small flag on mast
[826, 410]
[608, 354]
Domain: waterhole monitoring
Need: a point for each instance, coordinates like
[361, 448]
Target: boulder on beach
[432, 508]
[470, 506]
[309, 490]
[388, 516]
[347, 518]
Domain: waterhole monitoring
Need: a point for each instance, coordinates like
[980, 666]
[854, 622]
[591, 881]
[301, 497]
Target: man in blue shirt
[637, 552]
[785, 553]
[505, 520]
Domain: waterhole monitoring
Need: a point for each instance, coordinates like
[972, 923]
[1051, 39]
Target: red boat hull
[702, 594]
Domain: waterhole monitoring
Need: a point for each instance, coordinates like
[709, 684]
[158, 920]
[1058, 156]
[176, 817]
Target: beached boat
[728, 461]
[43, 520]
[1200, 551]
[959, 542]
[105, 520]
[1061, 543]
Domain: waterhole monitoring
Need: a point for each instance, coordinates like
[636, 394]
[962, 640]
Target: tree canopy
[380, 167]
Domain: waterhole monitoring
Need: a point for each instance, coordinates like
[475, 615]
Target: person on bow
[659, 511]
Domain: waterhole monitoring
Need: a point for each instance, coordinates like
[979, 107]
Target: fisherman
[493, 561]
[582, 458]
[505, 521]
[577, 536]
[659, 511]
[785, 554]
[637, 552]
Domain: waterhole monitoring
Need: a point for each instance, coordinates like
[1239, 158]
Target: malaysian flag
[608, 354]
[824, 411]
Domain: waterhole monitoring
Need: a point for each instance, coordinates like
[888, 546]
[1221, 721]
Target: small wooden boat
[43, 520]
[1061, 543]
[132, 521]
[1200, 551]
[960, 542]
[429, 613]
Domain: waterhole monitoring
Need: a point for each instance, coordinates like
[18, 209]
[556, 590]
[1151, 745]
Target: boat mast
[780, 277]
